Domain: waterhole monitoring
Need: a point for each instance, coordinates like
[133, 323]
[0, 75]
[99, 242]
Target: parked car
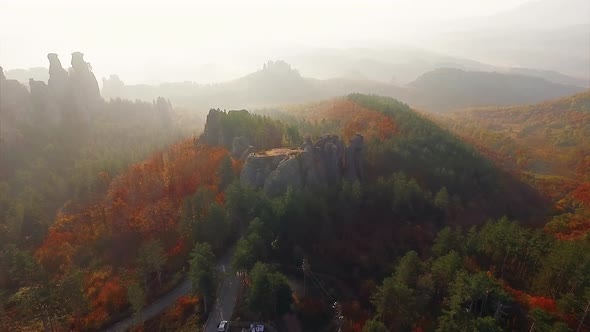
[257, 327]
[223, 326]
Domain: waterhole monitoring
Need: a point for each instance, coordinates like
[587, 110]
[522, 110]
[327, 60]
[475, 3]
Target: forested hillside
[402, 140]
[422, 238]
[59, 154]
[447, 89]
[123, 239]
[475, 278]
[547, 145]
[295, 166]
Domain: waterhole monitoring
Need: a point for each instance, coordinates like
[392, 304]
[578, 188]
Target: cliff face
[65, 95]
[258, 141]
[58, 77]
[14, 101]
[241, 132]
[83, 84]
[320, 163]
[212, 134]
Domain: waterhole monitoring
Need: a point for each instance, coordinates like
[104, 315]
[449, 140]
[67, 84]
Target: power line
[307, 273]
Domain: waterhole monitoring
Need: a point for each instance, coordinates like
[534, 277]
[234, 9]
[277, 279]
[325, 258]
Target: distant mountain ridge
[440, 90]
[544, 34]
[551, 75]
[23, 75]
[448, 88]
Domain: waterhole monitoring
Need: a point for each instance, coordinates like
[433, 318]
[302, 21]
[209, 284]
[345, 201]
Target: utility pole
[306, 268]
[338, 316]
[583, 317]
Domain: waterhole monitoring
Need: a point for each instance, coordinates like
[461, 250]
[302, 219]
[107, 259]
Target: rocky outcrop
[212, 134]
[163, 105]
[112, 87]
[14, 104]
[58, 78]
[83, 84]
[249, 150]
[259, 166]
[238, 130]
[44, 103]
[65, 95]
[353, 164]
[39, 93]
[12, 93]
[324, 162]
[324, 159]
[239, 146]
[227, 129]
[290, 172]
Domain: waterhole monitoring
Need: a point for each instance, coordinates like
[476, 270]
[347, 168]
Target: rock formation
[239, 146]
[66, 95]
[163, 105]
[83, 84]
[259, 166]
[12, 93]
[14, 104]
[326, 155]
[58, 78]
[238, 131]
[353, 164]
[39, 93]
[324, 162]
[290, 172]
[212, 134]
[44, 103]
[112, 87]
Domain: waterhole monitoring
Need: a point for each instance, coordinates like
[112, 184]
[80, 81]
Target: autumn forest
[349, 189]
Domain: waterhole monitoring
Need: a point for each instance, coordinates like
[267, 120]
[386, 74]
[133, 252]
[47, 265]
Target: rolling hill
[278, 83]
[446, 89]
[419, 178]
[396, 64]
[546, 144]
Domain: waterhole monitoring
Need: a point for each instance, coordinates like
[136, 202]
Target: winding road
[223, 306]
[226, 296]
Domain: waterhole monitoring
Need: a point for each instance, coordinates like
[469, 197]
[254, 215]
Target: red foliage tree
[141, 204]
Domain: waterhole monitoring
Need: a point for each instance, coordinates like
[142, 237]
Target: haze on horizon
[213, 41]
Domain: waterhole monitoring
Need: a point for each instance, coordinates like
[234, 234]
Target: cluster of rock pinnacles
[74, 90]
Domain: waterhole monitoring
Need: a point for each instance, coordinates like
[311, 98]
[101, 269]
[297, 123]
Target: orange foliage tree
[351, 117]
[141, 204]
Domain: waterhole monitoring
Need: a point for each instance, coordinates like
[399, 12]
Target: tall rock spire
[82, 81]
[58, 77]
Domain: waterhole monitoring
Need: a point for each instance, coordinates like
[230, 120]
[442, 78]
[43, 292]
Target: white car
[256, 327]
[223, 326]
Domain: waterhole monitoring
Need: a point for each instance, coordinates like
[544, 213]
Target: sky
[130, 37]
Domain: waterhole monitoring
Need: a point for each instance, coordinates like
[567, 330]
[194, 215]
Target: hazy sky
[129, 37]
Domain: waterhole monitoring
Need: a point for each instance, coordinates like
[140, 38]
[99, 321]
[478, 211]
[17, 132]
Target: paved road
[223, 308]
[153, 309]
[226, 297]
